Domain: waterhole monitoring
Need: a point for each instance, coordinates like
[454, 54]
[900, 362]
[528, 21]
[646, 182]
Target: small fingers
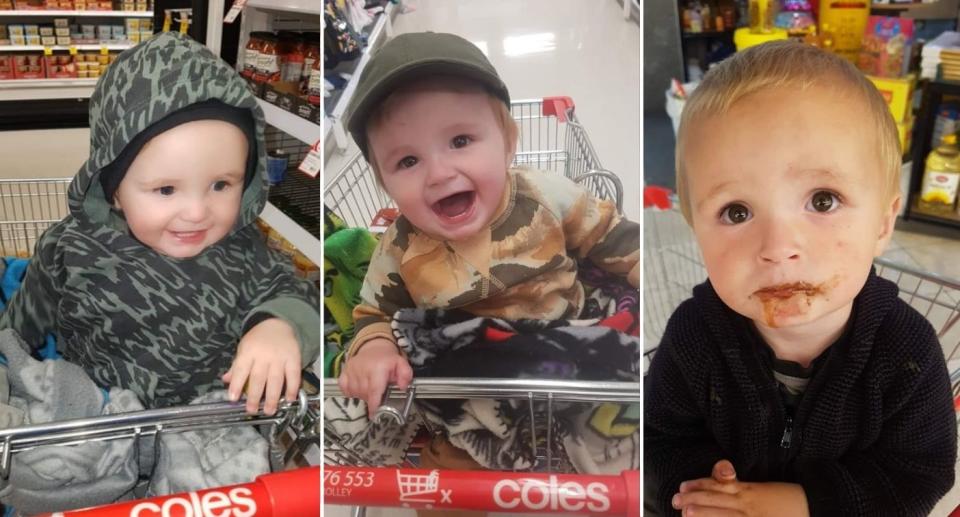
[291, 373]
[239, 373]
[708, 484]
[706, 499]
[272, 393]
[403, 374]
[706, 511]
[374, 393]
[723, 471]
[255, 388]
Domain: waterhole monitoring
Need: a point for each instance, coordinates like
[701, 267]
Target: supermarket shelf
[27, 48]
[288, 6]
[298, 127]
[951, 218]
[940, 9]
[309, 245]
[88, 14]
[36, 89]
[335, 133]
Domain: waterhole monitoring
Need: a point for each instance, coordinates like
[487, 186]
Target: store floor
[583, 50]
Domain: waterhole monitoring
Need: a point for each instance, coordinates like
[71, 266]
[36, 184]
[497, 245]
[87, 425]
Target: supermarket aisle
[584, 50]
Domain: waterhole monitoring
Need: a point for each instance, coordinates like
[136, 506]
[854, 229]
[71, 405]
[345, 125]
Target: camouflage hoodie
[165, 328]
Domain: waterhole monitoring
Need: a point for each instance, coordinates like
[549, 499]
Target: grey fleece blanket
[55, 478]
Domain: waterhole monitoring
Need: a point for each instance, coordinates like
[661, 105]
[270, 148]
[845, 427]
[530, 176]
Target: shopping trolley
[27, 208]
[551, 139]
[672, 266]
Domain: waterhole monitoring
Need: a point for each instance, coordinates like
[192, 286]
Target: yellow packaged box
[905, 132]
[898, 92]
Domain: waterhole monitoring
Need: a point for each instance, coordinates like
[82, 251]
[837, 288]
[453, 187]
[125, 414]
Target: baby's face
[182, 192]
[788, 205]
[443, 160]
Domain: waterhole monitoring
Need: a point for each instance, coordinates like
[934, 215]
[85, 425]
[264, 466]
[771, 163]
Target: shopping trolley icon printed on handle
[413, 488]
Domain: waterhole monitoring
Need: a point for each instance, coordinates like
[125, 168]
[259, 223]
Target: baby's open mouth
[455, 205]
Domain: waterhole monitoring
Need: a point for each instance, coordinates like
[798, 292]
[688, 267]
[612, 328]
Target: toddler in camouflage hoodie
[432, 118]
[158, 281]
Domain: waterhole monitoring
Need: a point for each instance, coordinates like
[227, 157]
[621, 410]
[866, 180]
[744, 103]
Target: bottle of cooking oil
[941, 176]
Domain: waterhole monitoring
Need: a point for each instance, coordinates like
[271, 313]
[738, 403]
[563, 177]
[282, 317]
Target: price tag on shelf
[234, 11]
[48, 51]
[311, 163]
[73, 50]
[104, 51]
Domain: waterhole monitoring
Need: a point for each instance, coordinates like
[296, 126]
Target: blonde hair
[501, 112]
[786, 64]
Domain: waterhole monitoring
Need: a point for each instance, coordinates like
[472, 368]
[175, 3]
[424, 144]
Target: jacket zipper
[786, 440]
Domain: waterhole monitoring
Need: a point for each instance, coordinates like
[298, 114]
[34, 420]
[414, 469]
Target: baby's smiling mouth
[455, 205]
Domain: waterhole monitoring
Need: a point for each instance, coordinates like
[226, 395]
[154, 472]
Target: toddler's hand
[268, 355]
[722, 494]
[366, 374]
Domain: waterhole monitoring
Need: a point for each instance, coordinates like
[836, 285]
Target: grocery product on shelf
[278, 65]
[885, 51]
[79, 5]
[941, 177]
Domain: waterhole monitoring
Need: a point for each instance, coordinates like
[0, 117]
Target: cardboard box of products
[905, 132]
[28, 66]
[898, 92]
[6, 66]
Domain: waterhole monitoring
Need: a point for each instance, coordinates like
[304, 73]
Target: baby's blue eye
[165, 191]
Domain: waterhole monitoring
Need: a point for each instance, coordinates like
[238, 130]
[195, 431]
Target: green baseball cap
[414, 55]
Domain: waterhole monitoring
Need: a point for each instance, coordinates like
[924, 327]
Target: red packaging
[61, 67]
[28, 66]
[6, 66]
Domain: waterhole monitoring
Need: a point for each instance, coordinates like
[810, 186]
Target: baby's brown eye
[824, 201]
[460, 141]
[735, 214]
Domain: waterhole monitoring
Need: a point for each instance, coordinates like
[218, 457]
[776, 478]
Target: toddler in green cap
[432, 118]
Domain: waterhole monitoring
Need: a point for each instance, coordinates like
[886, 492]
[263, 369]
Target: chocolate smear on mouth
[776, 299]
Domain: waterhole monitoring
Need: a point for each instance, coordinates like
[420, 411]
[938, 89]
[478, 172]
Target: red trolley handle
[483, 490]
[557, 107]
[292, 493]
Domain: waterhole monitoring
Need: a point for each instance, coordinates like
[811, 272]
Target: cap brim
[357, 117]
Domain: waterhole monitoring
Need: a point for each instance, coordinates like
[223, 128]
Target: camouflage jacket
[523, 266]
[165, 328]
